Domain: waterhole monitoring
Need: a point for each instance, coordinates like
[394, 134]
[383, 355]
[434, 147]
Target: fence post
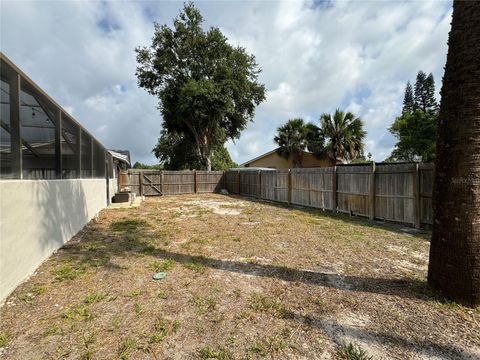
[195, 181]
[372, 192]
[416, 196]
[289, 186]
[259, 184]
[334, 189]
[238, 181]
[161, 183]
[140, 182]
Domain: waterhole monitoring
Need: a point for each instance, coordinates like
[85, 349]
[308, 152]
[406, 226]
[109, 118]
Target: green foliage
[425, 93]
[161, 265]
[416, 134]
[94, 298]
[164, 328]
[68, 272]
[408, 100]
[139, 165]
[177, 152]
[79, 313]
[125, 348]
[343, 135]
[292, 140]
[3, 340]
[128, 225]
[221, 159]
[352, 352]
[416, 127]
[209, 353]
[207, 89]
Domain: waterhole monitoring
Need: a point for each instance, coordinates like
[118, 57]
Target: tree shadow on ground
[97, 246]
[137, 240]
[403, 229]
[340, 332]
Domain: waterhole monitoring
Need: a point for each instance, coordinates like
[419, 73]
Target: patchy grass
[265, 281]
[68, 271]
[3, 339]
[196, 266]
[78, 313]
[128, 225]
[349, 351]
[93, 298]
[161, 265]
[208, 352]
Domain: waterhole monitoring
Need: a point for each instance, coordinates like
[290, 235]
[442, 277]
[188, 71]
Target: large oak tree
[454, 267]
[207, 89]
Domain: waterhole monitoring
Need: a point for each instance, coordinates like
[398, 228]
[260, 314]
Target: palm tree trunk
[454, 268]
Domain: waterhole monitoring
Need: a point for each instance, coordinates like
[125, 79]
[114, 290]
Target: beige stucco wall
[276, 161]
[37, 217]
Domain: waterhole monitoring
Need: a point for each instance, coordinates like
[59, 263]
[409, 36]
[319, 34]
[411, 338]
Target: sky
[315, 56]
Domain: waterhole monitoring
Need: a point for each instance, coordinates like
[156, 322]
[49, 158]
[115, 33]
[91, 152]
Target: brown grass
[271, 281]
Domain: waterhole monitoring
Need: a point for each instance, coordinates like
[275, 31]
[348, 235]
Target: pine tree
[408, 100]
[429, 88]
[420, 94]
[425, 93]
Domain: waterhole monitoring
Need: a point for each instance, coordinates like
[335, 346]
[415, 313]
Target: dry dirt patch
[245, 280]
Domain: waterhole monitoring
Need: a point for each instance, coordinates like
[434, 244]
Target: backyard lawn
[245, 280]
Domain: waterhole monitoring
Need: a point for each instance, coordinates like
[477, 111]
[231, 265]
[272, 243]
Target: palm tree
[344, 134]
[454, 267]
[292, 140]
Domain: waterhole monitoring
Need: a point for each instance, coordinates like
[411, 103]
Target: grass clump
[133, 293]
[196, 266]
[94, 298]
[162, 295]
[349, 351]
[208, 352]
[269, 345]
[68, 272]
[128, 225]
[262, 303]
[51, 330]
[161, 265]
[125, 348]
[204, 305]
[39, 290]
[78, 314]
[163, 328]
[3, 340]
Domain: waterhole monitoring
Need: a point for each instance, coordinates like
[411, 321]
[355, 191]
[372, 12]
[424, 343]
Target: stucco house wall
[37, 217]
[275, 161]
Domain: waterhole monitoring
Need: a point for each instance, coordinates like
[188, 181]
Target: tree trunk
[209, 163]
[454, 268]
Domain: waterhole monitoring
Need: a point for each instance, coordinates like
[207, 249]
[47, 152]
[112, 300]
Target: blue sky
[316, 56]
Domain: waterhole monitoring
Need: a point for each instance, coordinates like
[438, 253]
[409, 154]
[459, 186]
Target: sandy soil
[245, 280]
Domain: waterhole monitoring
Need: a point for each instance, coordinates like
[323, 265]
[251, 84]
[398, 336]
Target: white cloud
[350, 54]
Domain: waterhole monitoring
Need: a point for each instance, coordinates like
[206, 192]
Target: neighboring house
[272, 160]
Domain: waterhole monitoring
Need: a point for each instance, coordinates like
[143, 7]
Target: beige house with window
[272, 160]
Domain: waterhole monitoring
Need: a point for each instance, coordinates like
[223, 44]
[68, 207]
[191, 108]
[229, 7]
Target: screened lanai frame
[39, 139]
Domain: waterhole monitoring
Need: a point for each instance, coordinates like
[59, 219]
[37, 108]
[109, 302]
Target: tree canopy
[207, 89]
[176, 152]
[292, 140]
[416, 127]
[343, 135]
[340, 137]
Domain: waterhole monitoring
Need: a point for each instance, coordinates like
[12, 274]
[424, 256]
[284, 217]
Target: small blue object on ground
[159, 275]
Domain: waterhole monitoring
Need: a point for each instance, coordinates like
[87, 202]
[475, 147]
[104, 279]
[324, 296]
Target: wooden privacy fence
[153, 182]
[391, 192]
